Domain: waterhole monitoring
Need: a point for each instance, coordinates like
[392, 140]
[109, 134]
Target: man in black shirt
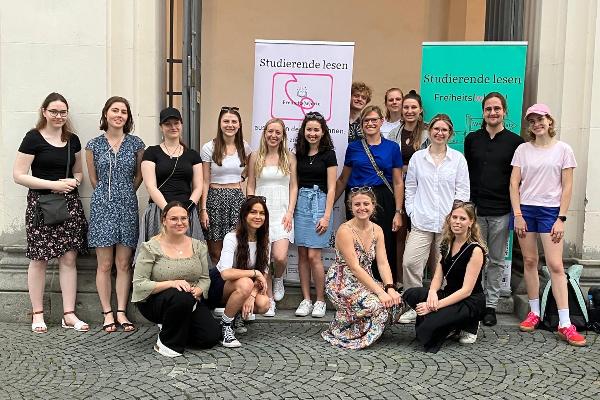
[360, 96]
[489, 152]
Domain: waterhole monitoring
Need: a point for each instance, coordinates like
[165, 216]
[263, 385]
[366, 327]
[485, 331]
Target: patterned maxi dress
[360, 318]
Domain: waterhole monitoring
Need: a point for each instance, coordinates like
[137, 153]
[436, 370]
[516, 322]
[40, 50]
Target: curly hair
[362, 88]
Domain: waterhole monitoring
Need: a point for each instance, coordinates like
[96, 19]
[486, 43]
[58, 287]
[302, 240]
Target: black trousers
[181, 327]
[384, 214]
[433, 328]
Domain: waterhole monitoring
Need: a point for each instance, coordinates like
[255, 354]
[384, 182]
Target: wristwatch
[399, 211]
[389, 286]
[563, 218]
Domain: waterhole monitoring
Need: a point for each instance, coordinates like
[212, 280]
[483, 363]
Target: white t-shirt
[228, 254]
[229, 171]
[387, 127]
[541, 172]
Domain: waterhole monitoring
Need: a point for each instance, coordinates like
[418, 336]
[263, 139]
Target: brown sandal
[127, 326]
[106, 327]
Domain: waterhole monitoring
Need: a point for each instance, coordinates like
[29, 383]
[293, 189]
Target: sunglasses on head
[315, 115]
[261, 198]
[228, 108]
[361, 189]
[459, 203]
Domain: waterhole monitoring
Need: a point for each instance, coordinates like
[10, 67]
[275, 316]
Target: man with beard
[360, 96]
[489, 152]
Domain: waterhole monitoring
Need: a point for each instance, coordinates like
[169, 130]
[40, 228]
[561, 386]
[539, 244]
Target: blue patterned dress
[114, 204]
[360, 318]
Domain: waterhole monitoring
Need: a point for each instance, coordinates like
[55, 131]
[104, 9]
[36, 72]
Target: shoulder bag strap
[68, 158]
[375, 167]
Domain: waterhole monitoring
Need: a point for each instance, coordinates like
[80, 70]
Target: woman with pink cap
[540, 191]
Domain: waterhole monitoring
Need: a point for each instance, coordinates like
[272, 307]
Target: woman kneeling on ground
[240, 278]
[362, 302]
[454, 301]
[170, 285]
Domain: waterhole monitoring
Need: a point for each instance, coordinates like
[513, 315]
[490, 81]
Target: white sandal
[38, 327]
[79, 326]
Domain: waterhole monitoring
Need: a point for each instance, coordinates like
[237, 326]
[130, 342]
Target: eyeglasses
[315, 115]
[56, 113]
[489, 110]
[229, 108]
[361, 189]
[261, 198]
[367, 121]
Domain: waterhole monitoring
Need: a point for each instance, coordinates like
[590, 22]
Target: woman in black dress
[454, 301]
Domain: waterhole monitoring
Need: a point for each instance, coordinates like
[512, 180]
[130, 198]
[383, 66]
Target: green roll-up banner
[456, 76]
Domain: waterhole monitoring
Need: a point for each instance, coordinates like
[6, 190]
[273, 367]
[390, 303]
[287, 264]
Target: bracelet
[389, 286]
[518, 214]
[77, 180]
[254, 277]
[399, 211]
[203, 209]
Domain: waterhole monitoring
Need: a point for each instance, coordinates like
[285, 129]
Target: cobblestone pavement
[289, 360]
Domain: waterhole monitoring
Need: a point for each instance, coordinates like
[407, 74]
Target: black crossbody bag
[52, 208]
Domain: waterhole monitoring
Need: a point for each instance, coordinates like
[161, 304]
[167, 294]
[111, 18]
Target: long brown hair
[474, 234]
[129, 125]
[283, 152]
[242, 253]
[415, 136]
[219, 141]
[302, 146]
[67, 128]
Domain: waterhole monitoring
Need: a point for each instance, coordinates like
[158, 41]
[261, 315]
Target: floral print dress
[360, 318]
[114, 204]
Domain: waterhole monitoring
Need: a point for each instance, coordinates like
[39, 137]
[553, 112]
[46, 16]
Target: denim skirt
[310, 208]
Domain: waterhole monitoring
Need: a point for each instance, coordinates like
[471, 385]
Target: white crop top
[229, 171]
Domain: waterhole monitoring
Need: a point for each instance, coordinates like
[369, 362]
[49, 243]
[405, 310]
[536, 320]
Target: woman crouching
[170, 285]
[455, 300]
[239, 279]
[362, 302]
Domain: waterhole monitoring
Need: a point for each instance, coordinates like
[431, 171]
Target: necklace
[177, 249]
[311, 159]
[117, 145]
[171, 153]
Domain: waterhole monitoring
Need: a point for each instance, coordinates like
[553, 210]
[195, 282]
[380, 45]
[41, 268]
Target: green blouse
[153, 266]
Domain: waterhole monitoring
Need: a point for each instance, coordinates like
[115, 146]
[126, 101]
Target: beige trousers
[416, 253]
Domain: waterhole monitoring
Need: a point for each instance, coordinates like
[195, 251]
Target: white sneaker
[467, 338]
[278, 289]
[251, 317]
[408, 317]
[229, 339]
[271, 311]
[305, 308]
[164, 350]
[319, 309]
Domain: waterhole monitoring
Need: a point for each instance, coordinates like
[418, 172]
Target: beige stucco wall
[387, 35]
[564, 72]
[88, 51]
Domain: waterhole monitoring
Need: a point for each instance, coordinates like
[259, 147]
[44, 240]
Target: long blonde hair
[473, 235]
[284, 154]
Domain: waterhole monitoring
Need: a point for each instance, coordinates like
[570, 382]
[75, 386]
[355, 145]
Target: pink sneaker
[571, 336]
[530, 323]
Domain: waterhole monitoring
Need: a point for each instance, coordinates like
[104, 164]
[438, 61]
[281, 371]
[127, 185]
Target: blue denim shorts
[310, 208]
[539, 219]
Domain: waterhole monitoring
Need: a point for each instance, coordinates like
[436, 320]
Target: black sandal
[106, 327]
[127, 326]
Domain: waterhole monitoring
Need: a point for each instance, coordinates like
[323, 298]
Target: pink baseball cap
[539, 108]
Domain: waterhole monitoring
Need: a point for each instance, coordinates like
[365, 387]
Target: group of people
[218, 225]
